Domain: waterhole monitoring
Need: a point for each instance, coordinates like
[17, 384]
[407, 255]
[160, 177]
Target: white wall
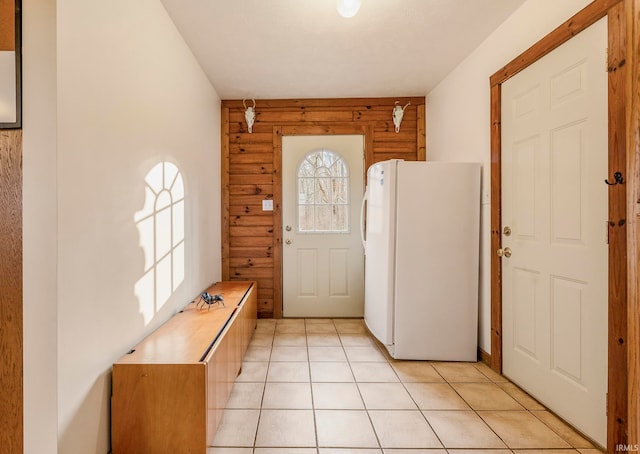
[123, 93]
[458, 112]
[39, 226]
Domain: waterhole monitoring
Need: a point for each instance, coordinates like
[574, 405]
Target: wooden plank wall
[250, 172]
[11, 441]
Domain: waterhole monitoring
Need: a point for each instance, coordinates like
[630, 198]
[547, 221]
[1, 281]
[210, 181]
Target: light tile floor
[324, 386]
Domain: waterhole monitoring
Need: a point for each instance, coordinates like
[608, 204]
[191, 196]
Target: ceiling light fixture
[348, 8]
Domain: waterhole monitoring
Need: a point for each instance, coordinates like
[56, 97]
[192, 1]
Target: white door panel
[339, 272]
[554, 286]
[323, 271]
[308, 281]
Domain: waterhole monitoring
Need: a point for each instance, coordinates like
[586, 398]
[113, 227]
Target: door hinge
[606, 60]
[606, 404]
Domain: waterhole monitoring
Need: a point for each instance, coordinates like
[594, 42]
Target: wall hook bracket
[618, 178]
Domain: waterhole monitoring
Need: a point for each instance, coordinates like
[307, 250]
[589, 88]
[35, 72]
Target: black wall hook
[617, 177]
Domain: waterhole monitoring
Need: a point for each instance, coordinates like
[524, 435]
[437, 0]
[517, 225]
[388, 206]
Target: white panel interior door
[554, 288]
[323, 258]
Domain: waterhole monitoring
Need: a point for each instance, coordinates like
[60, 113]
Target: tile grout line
[525, 409]
[264, 389]
[313, 406]
[364, 404]
[476, 411]
[420, 410]
[558, 432]
[388, 361]
[388, 358]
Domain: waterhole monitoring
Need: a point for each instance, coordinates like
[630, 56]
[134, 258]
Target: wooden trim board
[484, 357]
[277, 221]
[224, 184]
[11, 327]
[7, 25]
[632, 17]
[617, 348]
[421, 136]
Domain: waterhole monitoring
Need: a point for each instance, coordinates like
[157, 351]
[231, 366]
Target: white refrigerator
[421, 239]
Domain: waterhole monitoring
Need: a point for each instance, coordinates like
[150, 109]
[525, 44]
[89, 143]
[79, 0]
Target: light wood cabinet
[170, 391]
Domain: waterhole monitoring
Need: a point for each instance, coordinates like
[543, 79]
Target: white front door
[323, 259]
[554, 201]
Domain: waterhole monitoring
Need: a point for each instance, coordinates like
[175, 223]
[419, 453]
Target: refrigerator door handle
[364, 200]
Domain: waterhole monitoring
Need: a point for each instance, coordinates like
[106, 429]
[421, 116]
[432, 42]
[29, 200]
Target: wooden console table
[170, 391]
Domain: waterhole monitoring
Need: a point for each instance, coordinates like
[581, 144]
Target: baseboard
[484, 357]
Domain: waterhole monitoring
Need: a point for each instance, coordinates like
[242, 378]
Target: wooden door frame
[328, 129]
[623, 132]
[11, 295]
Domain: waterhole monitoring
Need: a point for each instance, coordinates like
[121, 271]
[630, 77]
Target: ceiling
[274, 49]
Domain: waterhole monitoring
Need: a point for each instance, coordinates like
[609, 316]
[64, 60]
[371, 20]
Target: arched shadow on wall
[161, 229]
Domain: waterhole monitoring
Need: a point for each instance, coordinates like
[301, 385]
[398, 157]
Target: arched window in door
[323, 193]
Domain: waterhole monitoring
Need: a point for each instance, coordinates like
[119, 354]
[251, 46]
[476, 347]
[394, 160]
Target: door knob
[506, 252]
[288, 241]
